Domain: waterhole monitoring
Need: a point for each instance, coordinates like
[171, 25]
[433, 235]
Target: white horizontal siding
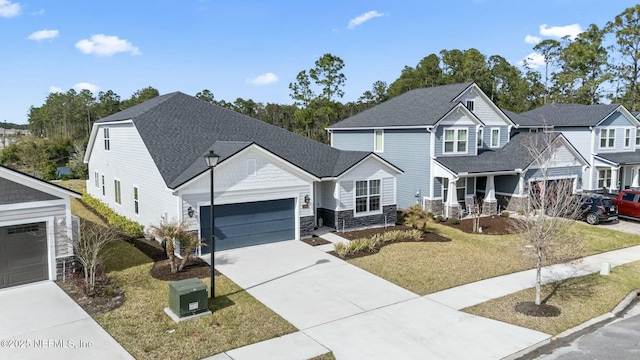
[388, 191]
[129, 161]
[346, 195]
[23, 215]
[327, 195]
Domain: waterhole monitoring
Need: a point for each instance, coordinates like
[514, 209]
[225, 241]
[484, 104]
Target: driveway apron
[40, 321]
[358, 315]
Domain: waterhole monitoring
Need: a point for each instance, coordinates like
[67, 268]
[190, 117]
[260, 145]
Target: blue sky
[254, 49]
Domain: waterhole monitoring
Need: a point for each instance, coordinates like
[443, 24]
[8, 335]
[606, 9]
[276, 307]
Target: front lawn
[426, 268]
[579, 299]
[143, 329]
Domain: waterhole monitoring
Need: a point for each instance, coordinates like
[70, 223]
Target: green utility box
[188, 297]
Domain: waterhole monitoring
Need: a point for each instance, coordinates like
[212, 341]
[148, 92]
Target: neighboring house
[606, 136]
[147, 163]
[454, 144]
[35, 228]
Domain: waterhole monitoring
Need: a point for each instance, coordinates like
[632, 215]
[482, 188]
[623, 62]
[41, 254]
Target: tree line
[583, 70]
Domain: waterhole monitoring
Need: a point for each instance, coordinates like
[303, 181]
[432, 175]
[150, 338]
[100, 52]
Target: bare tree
[552, 208]
[90, 249]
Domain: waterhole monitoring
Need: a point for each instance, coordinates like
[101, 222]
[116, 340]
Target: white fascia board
[37, 184]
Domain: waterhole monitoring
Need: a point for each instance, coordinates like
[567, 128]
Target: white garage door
[23, 254]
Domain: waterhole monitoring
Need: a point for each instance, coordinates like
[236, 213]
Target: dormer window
[470, 105]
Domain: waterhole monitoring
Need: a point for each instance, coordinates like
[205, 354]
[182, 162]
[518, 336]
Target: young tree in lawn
[546, 224]
[90, 249]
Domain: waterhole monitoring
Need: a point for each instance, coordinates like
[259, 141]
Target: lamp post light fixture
[212, 159]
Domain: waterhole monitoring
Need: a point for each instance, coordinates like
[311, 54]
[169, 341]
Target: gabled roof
[513, 156]
[179, 129]
[622, 158]
[522, 120]
[566, 115]
[35, 183]
[419, 107]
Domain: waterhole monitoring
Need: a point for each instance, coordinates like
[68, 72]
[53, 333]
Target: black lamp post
[212, 160]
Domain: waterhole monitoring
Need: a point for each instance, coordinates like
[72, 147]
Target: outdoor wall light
[307, 199]
[190, 211]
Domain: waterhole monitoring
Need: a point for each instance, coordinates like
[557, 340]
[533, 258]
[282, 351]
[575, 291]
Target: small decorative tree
[89, 247]
[416, 218]
[172, 233]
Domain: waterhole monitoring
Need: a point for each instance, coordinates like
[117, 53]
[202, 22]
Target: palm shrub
[416, 217]
[172, 233]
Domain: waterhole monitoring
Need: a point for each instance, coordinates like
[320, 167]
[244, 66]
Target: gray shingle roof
[622, 158]
[514, 155]
[414, 108]
[565, 115]
[179, 129]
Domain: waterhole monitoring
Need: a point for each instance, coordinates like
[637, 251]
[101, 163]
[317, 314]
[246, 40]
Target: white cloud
[362, 18]
[530, 39]
[54, 89]
[534, 60]
[38, 13]
[265, 79]
[44, 34]
[104, 45]
[9, 9]
[561, 31]
[85, 85]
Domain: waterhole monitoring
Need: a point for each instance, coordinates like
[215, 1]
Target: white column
[452, 193]
[635, 178]
[490, 190]
[521, 185]
[614, 179]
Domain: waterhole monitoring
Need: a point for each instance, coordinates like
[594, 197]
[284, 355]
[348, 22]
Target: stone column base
[454, 211]
[489, 207]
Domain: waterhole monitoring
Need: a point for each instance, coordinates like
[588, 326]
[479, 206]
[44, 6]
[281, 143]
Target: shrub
[505, 214]
[341, 249]
[128, 227]
[439, 218]
[453, 221]
[521, 212]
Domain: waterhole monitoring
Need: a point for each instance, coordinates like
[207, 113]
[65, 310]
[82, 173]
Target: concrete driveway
[360, 316]
[39, 321]
[625, 225]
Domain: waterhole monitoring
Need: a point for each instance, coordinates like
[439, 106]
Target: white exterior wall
[328, 195]
[369, 169]
[129, 161]
[236, 182]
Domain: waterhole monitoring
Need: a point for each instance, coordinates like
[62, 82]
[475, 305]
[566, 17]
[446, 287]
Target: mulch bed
[315, 241]
[492, 225]
[358, 234]
[543, 310]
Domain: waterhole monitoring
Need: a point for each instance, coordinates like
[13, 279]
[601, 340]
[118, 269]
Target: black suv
[597, 208]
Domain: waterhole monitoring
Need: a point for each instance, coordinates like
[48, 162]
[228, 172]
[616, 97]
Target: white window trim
[627, 138]
[473, 105]
[375, 143]
[104, 188]
[456, 140]
[491, 140]
[606, 180]
[117, 191]
[368, 196]
[608, 138]
[637, 137]
[136, 200]
[479, 139]
[107, 139]
[96, 181]
[458, 187]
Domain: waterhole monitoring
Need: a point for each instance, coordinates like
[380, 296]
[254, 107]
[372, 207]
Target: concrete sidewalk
[478, 292]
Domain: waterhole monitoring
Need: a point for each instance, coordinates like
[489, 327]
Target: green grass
[579, 299]
[77, 207]
[143, 329]
[425, 268]
[327, 356]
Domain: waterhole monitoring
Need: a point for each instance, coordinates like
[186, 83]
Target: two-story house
[606, 136]
[147, 163]
[454, 144]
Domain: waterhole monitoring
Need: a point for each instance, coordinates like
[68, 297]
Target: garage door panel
[23, 254]
[246, 224]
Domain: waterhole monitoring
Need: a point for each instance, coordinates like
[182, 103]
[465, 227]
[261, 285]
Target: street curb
[545, 347]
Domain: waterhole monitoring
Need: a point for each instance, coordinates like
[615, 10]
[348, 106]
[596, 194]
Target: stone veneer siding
[64, 267]
[512, 203]
[436, 207]
[489, 207]
[307, 224]
[340, 220]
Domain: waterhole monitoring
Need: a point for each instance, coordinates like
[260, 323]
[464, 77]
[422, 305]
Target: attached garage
[23, 254]
[251, 223]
